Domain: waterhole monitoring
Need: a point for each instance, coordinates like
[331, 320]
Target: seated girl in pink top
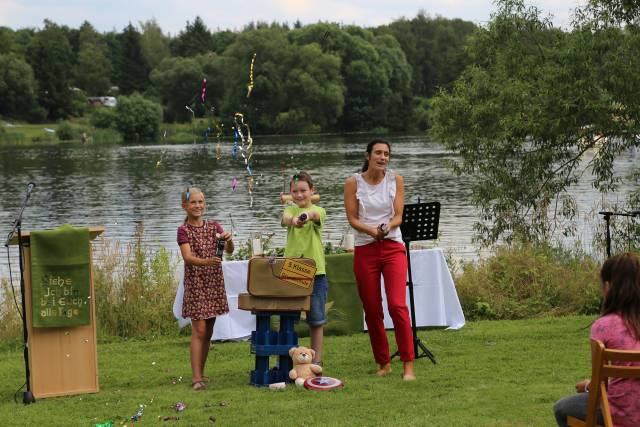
[618, 328]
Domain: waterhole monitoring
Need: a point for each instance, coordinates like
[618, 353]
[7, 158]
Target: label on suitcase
[281, 277]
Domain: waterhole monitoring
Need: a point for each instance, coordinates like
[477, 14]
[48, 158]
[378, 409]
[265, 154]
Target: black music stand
[419, 222]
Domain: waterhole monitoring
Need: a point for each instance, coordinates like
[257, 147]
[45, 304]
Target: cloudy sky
[172, 15]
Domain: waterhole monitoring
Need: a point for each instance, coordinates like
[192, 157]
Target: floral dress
[204, 293]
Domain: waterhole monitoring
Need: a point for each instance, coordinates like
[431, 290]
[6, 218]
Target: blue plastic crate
[266, 342]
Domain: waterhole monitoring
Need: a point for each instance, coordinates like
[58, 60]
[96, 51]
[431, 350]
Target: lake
[118, 186]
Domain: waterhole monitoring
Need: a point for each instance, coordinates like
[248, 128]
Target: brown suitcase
[280, 277]
[251, 303]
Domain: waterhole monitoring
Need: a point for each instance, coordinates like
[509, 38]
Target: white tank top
[375, 206]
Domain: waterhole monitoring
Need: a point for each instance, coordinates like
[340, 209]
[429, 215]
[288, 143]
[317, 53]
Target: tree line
[319, 77]
[537, 109]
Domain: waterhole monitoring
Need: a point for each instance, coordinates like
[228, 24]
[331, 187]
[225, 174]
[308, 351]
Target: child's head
[620, 277]
[193, 202]
[302, 188]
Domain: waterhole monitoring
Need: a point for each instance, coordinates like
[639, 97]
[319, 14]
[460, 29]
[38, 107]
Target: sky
[172, 15]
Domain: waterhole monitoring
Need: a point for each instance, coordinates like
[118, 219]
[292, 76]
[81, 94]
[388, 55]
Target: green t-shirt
[306, 241]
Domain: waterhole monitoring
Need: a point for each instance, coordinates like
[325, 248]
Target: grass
[21, 133]
[489, 373]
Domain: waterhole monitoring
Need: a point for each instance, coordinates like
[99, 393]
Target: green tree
[112, 41]
[51, 58]
[178, 81]
[93, 69]
[194, 40]
[372, 68]
[6, 40]
[21, 41]
[137, 118]
[220, 40]
[155, 45]
[434, 47]
[314, 89]
[133, 70]
[296, 86]
[535, 109]
[18, 89]
[268, 97]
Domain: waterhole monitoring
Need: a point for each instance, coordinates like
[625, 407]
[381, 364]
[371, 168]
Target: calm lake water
[117, 186]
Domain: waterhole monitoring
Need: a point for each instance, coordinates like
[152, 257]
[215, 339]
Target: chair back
[603, 368]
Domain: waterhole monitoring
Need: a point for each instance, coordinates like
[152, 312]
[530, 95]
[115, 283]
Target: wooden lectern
[62, 360]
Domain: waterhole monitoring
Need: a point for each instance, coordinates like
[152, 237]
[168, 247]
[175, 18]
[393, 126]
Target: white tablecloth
[436, 300]
[435, 296]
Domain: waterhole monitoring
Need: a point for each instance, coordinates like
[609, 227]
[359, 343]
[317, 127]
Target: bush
[103, 117]
[11, 323]
[135, 289]
[66, 132]
[100, 136]
[137, 118]
[524, 281]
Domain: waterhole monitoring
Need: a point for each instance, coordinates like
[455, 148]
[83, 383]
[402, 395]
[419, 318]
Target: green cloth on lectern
[345, 308]
[60, 275]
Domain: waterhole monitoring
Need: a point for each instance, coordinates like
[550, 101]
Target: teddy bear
[302, 366]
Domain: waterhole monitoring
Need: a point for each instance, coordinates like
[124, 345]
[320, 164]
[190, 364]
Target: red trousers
[388, 258]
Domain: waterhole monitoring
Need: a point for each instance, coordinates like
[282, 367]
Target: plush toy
[302, 366]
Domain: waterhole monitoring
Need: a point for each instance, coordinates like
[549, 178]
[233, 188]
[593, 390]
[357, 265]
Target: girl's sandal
[198, 385]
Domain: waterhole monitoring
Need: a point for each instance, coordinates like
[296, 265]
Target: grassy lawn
[24, 133]
[489, 373]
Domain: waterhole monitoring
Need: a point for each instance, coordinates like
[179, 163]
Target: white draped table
[436, 300]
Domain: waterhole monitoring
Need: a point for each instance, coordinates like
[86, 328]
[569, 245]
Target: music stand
[419, 222]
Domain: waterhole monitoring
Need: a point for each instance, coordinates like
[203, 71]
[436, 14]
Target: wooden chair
[601, 370]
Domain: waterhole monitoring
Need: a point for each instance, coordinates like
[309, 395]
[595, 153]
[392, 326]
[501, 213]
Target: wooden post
[62, 360]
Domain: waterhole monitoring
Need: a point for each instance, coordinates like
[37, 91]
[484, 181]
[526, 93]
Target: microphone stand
[27, 396]
[607, 217]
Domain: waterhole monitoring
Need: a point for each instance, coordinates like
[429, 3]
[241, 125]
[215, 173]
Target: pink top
[624, 394]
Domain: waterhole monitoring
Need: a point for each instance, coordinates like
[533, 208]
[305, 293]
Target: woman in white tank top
[374, 201]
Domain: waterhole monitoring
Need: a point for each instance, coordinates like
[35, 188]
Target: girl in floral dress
[204, 294]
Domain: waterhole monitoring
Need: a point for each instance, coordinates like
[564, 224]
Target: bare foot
[384, 370]
[198, 385]
[408, 374]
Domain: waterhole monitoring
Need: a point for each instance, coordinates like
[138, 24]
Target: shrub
[103, 117]
[135, 288]
[12, 137]
[137, 118]
[65, 131]
[11, 322]
[100, 136]
[524, 281]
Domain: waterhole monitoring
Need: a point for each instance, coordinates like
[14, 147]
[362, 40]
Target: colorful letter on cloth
[60, 275]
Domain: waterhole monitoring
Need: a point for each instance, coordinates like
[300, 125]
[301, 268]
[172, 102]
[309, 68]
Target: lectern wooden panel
[62, 360]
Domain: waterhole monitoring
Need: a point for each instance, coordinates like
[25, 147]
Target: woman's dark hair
[622, 272]
[301, 176]
[370, 149]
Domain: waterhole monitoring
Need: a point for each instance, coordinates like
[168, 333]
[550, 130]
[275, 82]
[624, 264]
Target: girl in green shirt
[304, 222]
